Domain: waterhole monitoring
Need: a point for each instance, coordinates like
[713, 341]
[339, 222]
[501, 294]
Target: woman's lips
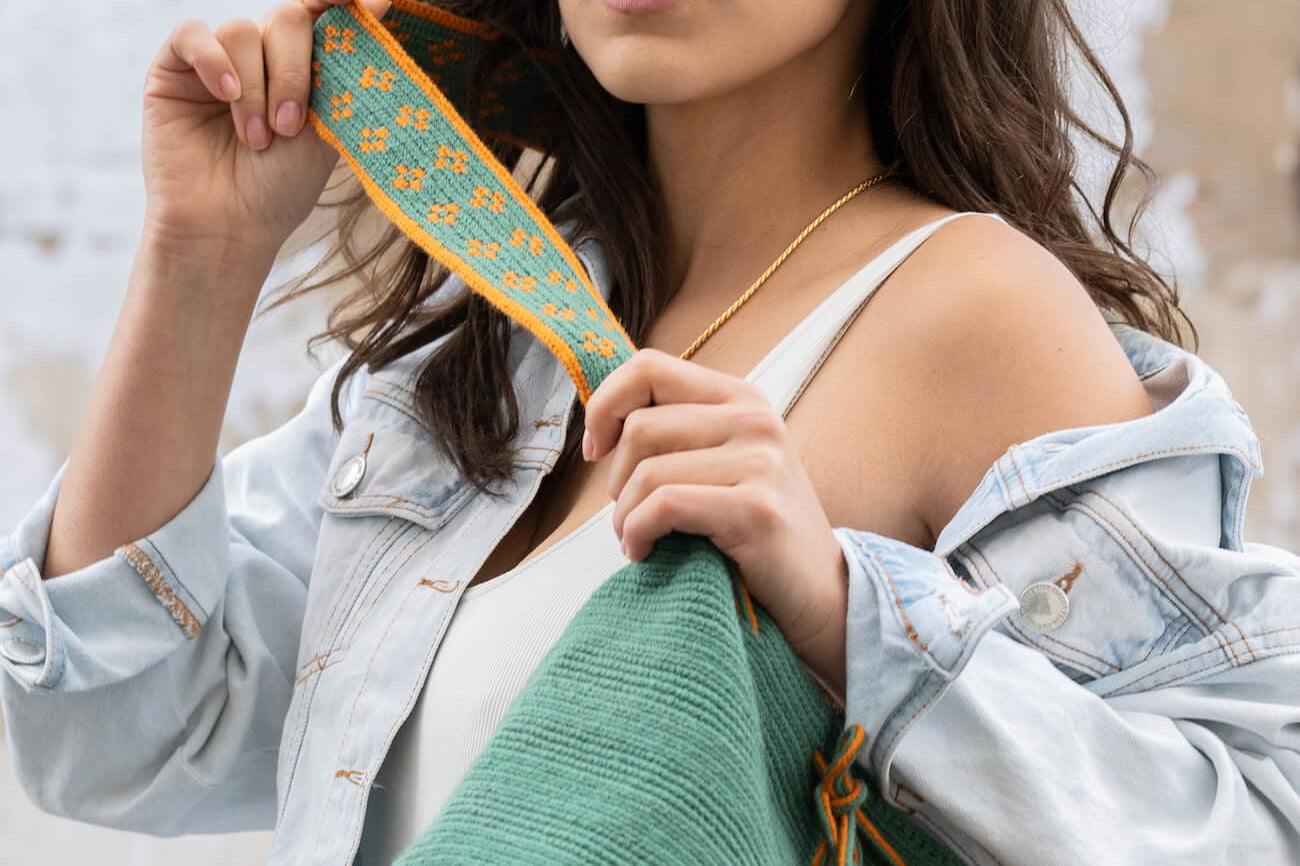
[640, 5]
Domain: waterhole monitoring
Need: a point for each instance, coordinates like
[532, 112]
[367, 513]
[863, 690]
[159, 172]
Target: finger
[243, 42]
[701, 509]
[316, 8]
[720, 466]
[653, 377]
[192, 47]
[287, 43]
[651, 430]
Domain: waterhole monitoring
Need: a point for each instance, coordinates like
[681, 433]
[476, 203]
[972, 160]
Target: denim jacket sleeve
[148, 690]
[1158, 723]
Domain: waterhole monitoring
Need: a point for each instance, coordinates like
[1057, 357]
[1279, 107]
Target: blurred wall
[1215, 93]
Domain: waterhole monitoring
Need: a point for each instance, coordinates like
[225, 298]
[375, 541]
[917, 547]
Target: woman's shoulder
[990, 340]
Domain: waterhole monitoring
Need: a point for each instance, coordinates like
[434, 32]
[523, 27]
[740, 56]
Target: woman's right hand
[228, 156]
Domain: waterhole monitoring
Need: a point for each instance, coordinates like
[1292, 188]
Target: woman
[175, 620]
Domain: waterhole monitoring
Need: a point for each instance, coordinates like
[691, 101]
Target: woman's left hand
[703, 452]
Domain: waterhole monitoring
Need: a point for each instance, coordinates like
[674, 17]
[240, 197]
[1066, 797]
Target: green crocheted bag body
[670, 723]
[660, 729]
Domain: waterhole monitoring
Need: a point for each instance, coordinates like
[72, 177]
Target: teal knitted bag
[670, 723]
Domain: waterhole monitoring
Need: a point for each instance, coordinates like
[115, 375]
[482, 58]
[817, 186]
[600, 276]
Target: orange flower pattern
[593, 342]
[551, 309]
[372, 140]
[476, 247]
[483, 197]
[443, 213]
[371, 77]
[522, 238]
[342, 103]
[339, 39]
[417, 118]
[444, 52]
[408, 178]
[516, 281]
[555, 278]
[451, 159]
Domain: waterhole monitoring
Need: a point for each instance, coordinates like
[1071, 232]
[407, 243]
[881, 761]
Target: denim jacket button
[349, 475]
[1044, 607]
[22, 652]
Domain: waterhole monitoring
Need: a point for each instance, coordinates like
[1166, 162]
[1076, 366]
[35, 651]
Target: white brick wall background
[71, 207]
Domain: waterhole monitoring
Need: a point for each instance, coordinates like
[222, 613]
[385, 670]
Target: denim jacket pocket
[388, 490]
[392, 468]
[1087, 600]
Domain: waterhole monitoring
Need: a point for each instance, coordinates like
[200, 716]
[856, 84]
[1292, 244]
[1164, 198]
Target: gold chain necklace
[717, 323]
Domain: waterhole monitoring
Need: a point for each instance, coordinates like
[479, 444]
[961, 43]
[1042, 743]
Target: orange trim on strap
[447, 19]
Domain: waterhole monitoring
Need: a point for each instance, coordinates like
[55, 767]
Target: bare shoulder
[990, 340]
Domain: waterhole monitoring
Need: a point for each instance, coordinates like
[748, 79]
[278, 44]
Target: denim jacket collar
[1194, 413]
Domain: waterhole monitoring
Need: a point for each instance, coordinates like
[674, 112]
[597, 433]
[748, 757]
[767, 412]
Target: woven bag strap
[431, 173]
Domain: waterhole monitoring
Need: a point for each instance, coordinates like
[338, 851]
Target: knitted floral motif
[491, 106]
[417, 118]
[476, 247]
[507, 72]
[443, 213]
[339, 39]
[596, 343]
[516, 281]
[342, 103]
[551, 309]
[451, 159]
[408, 178]
[521, 238]
[484, 198]
[371, 77]
[373, 140]
[444, 52]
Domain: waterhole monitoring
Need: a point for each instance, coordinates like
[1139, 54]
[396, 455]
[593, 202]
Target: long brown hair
[967, 98]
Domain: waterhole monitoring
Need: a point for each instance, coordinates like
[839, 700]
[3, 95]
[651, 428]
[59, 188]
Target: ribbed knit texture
[671, 723]
[658, 730]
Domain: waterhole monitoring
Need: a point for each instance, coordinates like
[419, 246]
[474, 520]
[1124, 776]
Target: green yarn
[661, 728]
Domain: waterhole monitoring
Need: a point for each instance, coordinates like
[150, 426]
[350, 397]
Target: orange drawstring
[840, 796]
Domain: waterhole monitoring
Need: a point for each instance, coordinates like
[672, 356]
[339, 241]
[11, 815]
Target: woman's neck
[741, 173]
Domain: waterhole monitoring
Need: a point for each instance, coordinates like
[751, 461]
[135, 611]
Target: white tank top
[502, 627]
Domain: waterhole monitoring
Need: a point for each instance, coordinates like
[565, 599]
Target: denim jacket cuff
[115, 617]
[912, 625]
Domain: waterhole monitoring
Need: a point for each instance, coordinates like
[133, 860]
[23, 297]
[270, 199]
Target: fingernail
[258, 137]
[623, 544]
[229, 86]
[586, 444]
[286, 119]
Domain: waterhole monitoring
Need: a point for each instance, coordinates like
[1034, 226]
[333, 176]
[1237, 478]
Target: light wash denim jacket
[248, 664]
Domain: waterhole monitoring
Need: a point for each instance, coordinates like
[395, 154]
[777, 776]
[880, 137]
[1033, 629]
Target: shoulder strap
[785, 371]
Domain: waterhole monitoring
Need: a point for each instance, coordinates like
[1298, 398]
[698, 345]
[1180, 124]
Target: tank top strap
[785, 371]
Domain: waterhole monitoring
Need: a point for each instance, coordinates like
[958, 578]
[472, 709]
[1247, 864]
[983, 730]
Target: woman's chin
[651, 69]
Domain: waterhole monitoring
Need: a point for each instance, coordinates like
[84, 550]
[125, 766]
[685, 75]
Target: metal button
[349, 475]
[22, 652]
[1044, 607]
